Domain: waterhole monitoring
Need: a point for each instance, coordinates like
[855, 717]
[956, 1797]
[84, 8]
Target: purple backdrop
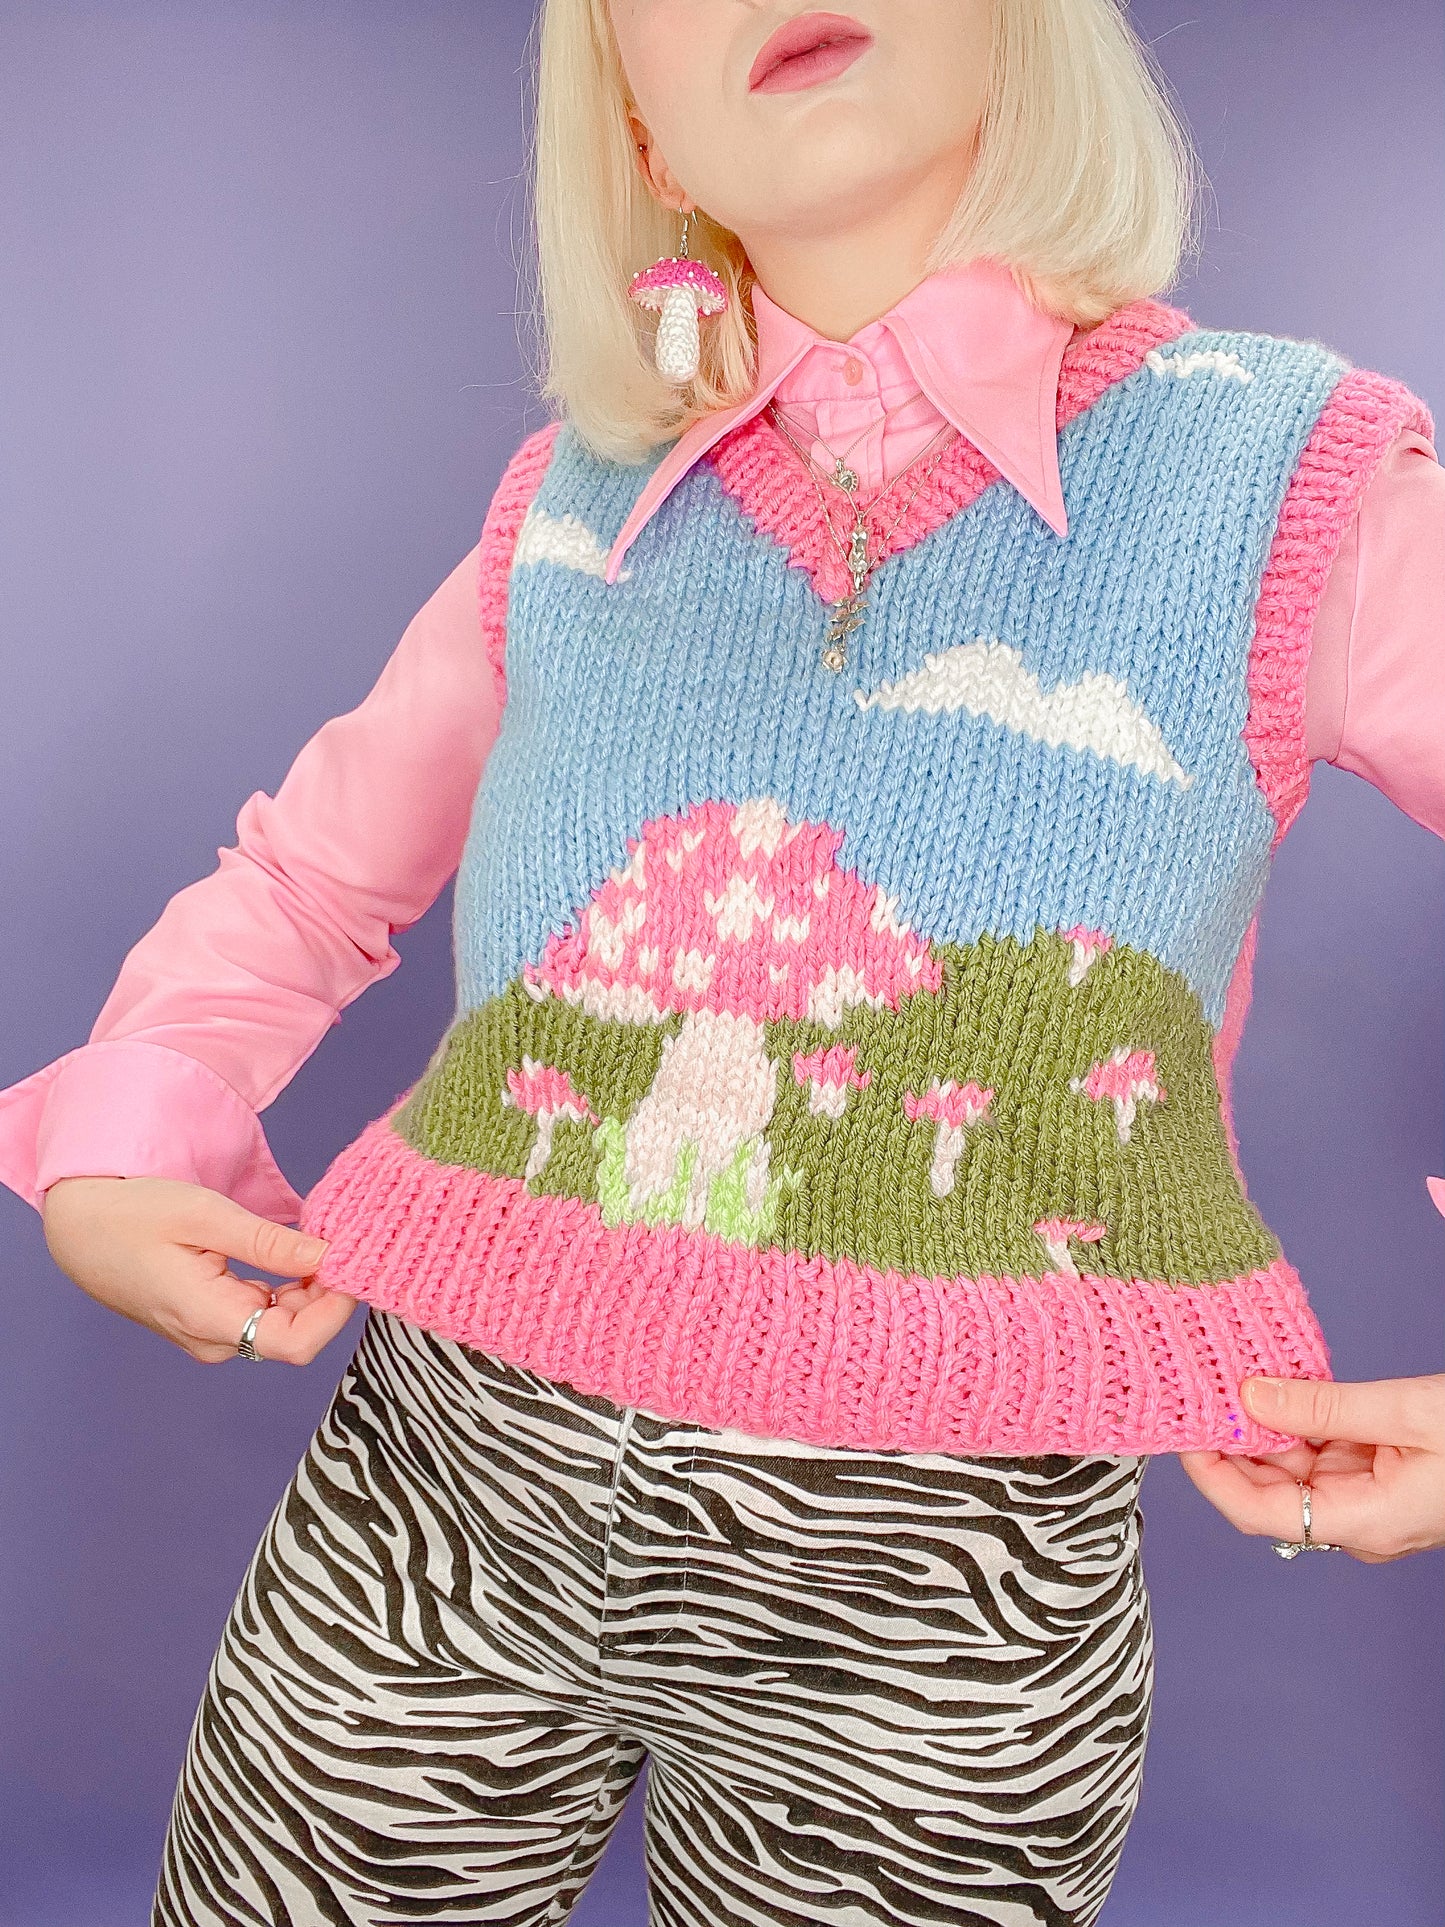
[258, 376]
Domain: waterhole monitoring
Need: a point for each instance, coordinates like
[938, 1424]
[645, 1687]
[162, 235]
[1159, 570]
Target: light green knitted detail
[666, 1207]
[741, 1202]
[730, 1214]
[871, 1185]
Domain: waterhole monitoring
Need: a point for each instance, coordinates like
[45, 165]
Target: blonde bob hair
[1085, 184]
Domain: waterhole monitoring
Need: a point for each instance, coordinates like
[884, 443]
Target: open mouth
[812, 48]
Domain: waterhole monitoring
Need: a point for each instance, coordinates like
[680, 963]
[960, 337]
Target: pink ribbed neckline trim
[756, 466]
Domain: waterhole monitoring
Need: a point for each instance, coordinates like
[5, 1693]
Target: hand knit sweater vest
[845, 1057]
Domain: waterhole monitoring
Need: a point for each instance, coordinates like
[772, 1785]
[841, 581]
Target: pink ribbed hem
[691, 1327]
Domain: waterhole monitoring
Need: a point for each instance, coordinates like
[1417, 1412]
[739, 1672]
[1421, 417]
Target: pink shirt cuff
[127, 1108]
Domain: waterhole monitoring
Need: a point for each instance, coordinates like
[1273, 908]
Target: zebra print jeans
[870, 1687]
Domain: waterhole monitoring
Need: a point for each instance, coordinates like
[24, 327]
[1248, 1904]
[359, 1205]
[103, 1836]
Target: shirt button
[852, 371]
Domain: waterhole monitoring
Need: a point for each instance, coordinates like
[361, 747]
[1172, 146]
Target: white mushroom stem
[755, 1186]
[827, 1100]
[676, 350]
[1084, 955]
[542, 1147]
[948, 1146]
[1060, 1257]
[578, 1112]
[715, 1088]
[1126, 1109]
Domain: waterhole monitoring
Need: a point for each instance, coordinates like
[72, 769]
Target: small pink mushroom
[1124, 1076]
[680, 290]
[1056, 1233]
[829, 1076]
[1088, 944]
[954, 1108]
[546, 1094]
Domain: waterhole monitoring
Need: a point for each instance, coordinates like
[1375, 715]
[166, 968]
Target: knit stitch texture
[846, 1057]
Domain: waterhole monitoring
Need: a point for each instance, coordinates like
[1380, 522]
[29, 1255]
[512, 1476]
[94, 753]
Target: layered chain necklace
[847, 615]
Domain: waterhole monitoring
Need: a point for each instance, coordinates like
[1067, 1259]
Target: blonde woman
[891, 686]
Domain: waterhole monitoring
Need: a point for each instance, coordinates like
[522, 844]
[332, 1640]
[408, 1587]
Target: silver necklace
[847, 614]
[842, 477]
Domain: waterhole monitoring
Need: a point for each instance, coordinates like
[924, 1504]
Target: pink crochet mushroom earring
[679, 290]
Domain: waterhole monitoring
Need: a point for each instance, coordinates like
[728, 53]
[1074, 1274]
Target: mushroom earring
[680, 290]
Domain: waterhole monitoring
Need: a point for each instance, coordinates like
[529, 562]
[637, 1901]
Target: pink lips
[804, 51]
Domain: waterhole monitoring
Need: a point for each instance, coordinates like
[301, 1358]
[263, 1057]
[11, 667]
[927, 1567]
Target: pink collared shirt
[217, 1006]
[964, 346]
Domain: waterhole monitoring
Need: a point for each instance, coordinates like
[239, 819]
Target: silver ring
[245, 1344]
[1288, 1549]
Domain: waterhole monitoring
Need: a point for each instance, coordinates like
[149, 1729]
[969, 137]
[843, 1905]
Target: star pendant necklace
[847, 615]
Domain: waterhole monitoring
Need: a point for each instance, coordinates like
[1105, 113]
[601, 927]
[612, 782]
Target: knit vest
[845, 1056]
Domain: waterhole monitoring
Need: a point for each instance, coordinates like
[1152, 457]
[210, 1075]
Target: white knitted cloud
[990, 679]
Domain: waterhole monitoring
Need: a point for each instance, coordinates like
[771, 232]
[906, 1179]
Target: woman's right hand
[155, 1250]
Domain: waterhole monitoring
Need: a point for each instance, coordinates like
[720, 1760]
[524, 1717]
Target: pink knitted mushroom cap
[536, 1088]
[948, 1103]
[1059, 1230]
[735, 908]
[652, 286]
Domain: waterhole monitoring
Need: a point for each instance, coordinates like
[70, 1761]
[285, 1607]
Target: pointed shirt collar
[984, 355]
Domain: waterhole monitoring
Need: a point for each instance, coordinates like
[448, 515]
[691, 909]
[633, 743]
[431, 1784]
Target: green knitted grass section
[859, 1186]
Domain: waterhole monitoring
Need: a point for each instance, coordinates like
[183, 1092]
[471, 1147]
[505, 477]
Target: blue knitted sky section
[1030, 730]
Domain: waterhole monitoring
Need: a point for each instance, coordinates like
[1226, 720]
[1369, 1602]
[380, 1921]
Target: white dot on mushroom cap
[740, 906]
[605, 942]
[759, 824]
[691, 970]
[885, 919]
[836, 992]
[632, 871]
[683, 849]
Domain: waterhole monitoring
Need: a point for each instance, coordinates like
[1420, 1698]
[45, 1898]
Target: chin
[836, 196]
[837, 143]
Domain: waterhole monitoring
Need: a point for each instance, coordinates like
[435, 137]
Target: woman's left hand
[1374, 1460]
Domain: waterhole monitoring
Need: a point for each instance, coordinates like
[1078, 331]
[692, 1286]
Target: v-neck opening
[763, 474]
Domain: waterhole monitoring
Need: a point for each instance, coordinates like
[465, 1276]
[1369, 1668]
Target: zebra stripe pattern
[869, 1687]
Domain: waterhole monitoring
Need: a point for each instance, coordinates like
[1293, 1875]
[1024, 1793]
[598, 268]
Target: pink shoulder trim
[515, 493]
[1359, 422]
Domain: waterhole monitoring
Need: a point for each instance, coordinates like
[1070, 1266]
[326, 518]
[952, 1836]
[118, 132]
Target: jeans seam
[624, 1433]
[686, 1550]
